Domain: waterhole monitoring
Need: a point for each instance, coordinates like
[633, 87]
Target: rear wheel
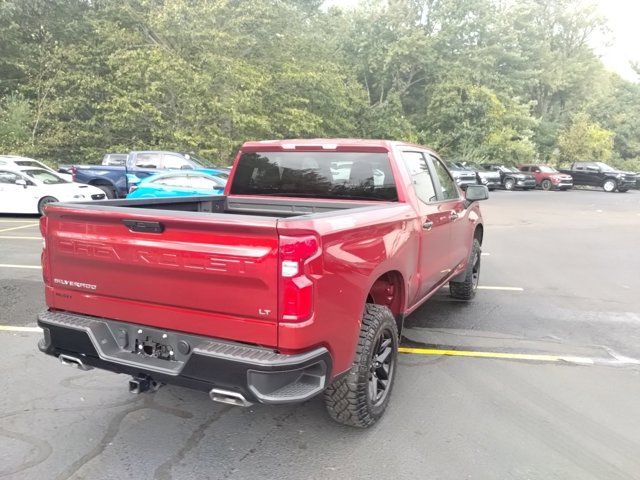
[466, 289]
[509, 184]
[546, 184]
[108, 190]
[361, 396]
[610, 185]
[44, 202]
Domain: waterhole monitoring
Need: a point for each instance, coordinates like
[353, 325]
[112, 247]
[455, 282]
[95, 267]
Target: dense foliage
[476, 79]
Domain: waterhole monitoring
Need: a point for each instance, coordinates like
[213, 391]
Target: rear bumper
[202, 363]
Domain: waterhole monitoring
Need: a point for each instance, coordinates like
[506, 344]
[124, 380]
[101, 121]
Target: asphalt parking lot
[542, 382]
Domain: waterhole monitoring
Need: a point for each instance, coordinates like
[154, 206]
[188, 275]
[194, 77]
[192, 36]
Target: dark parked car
[598, 174]
[510, 177]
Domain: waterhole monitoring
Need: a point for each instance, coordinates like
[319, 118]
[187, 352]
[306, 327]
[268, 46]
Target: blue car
[178, 184]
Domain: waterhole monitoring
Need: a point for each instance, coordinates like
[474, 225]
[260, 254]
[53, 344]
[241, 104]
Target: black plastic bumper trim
[259, 374]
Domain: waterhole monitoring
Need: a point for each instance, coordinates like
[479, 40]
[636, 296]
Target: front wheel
[546, 184]
[361, 396]
[609, 185]
[466, 289]
[509, 184]
[44, 202]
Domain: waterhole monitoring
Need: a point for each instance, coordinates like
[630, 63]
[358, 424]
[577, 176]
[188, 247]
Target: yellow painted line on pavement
[506, 289]
[18, 228]
[30, 267]
[15, 221]
[499, 355]
[9, 328]
[8, 237]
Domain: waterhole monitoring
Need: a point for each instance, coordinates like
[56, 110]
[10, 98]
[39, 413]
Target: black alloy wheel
[381, 367]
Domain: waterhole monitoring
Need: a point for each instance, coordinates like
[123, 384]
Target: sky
[616, 48]
[623, 43]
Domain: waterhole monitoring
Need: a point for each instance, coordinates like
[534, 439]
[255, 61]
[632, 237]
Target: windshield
[339, 175]
[48, 178]
[547, 169]
[605, 168]
[197, 160]
[29, 163]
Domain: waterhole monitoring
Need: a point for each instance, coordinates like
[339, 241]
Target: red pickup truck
[294, 282]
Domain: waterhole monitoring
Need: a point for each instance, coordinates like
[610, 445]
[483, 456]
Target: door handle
[454, 215]
[427, 225]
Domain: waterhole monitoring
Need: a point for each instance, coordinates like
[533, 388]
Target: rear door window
[174, 162]
[148, 160]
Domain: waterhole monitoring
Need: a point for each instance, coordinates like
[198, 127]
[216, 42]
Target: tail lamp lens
[295, 286]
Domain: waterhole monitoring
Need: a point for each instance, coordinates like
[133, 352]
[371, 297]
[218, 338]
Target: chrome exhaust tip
[229, 397]
[73, 362]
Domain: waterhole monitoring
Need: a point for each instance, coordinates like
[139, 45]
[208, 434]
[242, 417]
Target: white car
[28, 190]
[16, 162]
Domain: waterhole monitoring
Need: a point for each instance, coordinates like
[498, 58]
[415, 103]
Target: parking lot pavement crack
[41, 447]
[112, 430]
[278, 422]
[163, 472]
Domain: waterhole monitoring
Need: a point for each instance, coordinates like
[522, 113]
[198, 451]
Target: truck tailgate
[206, 274]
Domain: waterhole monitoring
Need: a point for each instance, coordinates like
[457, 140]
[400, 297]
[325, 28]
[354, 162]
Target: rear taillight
[297, 262]
[44, 260]
[74, 171]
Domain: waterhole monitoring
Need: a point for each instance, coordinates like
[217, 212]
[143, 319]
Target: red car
[294, 282]
[548, 178]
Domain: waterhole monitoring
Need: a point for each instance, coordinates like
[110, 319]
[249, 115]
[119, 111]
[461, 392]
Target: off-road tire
[546, 184]
[610, 185]
[348, 399]
[466, 289]
[44, 201]
[509, 184]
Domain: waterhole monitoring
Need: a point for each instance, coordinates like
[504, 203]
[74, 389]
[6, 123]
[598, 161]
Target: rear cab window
[332, 175]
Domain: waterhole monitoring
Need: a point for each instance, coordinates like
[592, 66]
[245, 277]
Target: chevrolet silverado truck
[598, 174]
[115, 179]
[293, 283]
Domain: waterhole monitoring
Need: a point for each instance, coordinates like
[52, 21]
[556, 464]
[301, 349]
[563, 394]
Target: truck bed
[271, 207]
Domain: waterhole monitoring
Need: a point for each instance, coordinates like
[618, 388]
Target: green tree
[585, 140]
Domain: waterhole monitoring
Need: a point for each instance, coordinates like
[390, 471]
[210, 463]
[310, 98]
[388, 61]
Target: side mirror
[476, 193]
[22, 182]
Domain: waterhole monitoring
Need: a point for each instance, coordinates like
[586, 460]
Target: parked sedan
[511, 177]
[17, 162]
[548, 178]
[178, 184]
[29, 190]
